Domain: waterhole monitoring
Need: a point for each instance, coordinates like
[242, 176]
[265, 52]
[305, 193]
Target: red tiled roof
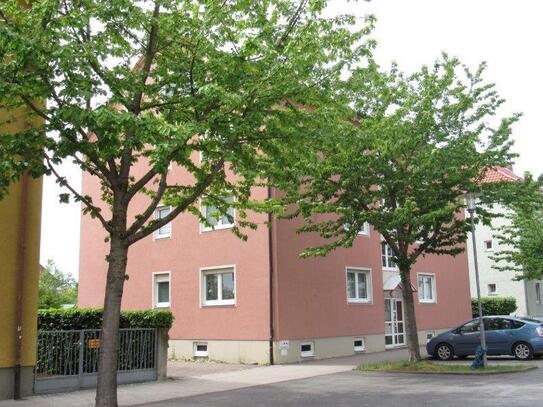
[500, 174]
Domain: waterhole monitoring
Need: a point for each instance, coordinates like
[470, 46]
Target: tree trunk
[106, 391]
[410, 319]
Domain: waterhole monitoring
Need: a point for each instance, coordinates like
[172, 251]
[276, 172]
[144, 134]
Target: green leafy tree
[56, 288]
[151, 84]
[521, 235]
[415, 145]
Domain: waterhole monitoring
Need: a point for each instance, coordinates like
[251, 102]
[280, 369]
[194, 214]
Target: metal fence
[68, 360]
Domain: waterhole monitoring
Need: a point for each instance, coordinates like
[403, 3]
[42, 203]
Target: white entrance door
[394, 323]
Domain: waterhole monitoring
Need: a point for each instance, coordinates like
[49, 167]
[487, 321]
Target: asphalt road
[383, 389]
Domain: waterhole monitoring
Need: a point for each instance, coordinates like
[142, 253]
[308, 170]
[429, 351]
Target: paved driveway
[321, 382]
[382, 389]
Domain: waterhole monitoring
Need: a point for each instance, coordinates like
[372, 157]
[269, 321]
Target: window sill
[163, 305]
[219, 304]
[214, 229]
[360, 302]
[391, 269]
[161, 237]
[427, 302]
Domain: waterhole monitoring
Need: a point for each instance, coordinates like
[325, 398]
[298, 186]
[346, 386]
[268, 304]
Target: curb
[474, 373]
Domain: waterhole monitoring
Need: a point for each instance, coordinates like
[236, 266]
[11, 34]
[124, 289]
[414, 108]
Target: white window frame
[369, 285]
[538, 293]
[365, 231]
[387, 267]
[491, 293]
[307, 354]
[218, 226]
[200, 353]
[159, 277]
[217, 270]
[362, 348]
[491, 248]
[433, 300]
[156, 234]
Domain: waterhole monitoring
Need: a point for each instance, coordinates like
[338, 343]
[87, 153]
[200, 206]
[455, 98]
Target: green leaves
[494, 306]
[91, 318]
[56, 288]
[131, 84]
[521, 234]
[413, 145]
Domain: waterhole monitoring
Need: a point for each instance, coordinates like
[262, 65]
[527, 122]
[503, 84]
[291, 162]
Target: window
[497, 324]
[518, 324]
[387, 257]
[166, 230]
[200, 349]
[492, 289]
[470, 327]
[218, 286]
[427, 288]
[538, 293]
[364, 231]
[488, 245]
[161, 290]
[359, 345]
[216, 219]
[306, 349]
[358, 285]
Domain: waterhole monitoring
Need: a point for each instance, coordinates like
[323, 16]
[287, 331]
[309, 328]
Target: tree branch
[189, 200]
[143, 217]
[95, 211]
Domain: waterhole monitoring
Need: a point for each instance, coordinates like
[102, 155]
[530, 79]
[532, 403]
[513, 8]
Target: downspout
[270, 253]
[20, 287]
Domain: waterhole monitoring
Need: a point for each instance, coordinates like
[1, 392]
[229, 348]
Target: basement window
[200, 349]
[306, 349]
[359, 345]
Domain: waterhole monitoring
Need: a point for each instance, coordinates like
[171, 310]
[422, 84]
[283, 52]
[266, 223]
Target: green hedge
[494, 306]
[91, 318]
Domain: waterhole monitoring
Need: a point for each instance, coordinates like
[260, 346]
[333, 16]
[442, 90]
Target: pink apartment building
[259, 302]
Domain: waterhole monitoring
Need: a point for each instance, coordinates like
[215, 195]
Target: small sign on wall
[283, 347]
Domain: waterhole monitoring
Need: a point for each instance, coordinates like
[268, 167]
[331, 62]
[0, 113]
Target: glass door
[394, 323]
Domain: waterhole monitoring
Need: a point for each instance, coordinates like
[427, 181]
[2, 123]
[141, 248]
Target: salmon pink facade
[257, 301]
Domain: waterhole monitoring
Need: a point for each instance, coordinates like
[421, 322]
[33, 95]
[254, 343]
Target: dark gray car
[505, 335]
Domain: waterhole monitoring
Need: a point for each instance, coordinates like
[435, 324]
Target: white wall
[505, 286]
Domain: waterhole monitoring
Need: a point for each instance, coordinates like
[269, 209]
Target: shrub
[91, 318]
[494, 306]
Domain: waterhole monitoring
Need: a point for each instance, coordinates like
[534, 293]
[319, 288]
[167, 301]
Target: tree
[413, 146]
[55, 287]
[522, 233]
[149, 84]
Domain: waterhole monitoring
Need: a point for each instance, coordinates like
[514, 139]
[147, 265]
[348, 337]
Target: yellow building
[20, 214]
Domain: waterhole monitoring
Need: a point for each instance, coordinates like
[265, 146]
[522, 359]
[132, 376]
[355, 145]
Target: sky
[505, 34]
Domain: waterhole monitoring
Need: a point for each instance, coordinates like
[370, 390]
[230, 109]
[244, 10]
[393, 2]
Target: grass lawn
[426, 366]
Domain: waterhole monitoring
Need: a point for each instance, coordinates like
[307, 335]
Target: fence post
[81, 356]
[161, 353]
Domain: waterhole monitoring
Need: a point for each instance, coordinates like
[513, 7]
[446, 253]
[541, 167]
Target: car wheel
[444, 351]
[522, 351]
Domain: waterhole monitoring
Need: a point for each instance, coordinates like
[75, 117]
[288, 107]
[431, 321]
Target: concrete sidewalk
[189, 379]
